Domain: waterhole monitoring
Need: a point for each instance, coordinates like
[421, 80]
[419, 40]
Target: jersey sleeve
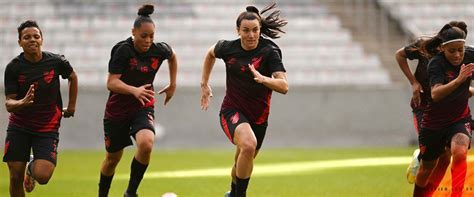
[412, 51]
[219, 49]
[65, 69]
[166, 49]
[275, 61]
[435, 71]
[118, 60]
[11, 79]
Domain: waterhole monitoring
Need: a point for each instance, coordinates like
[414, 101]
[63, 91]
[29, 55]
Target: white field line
[281, 168]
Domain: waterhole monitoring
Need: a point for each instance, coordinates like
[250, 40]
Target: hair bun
[252, 9]
[146, 10]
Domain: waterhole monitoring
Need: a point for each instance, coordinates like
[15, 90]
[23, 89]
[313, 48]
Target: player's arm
[206, 91]
[277, 82]
[401, 57]
[440, 91]
[173, 69]
[142, 93]
[71, 106]
[14, 105]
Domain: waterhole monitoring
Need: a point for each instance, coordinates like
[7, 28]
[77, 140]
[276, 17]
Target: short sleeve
[412, 51]
[275, 61]
[166, 49]
[435, 71]
[11, 79]
[65, 68]
[219, 49]
[118, 60]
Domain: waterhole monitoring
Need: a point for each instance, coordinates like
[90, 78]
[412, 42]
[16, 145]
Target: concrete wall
[305, 117]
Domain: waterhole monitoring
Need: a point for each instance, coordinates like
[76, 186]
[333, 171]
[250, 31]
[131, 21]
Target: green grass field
[277, 172]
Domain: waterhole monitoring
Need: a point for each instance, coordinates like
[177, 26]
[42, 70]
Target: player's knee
[248, 148]
[42, 178]
[146, 147]
[459, 154]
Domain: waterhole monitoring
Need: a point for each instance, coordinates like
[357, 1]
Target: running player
[130, 106]
[421, 96]
[447, 119]
[254, 69]
[33, 99]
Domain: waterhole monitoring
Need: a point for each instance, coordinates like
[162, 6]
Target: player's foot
[29, 182]
[126, 194]
[227, 194]
[413, 167]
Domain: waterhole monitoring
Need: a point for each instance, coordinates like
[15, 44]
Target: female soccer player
[33, 99]
[130, 107]
[254, 69]
[447, 119]
[421, 96]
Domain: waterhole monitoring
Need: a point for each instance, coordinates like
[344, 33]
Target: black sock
[104, 185]
[241, 187]
[232, 188]
[137, 170]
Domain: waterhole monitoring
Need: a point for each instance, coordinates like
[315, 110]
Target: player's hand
[465, 72]
[206, 94]
[416, 89]
[29, 97]
[259, 78]
[144, 94]
[68, 112]
[169, 90]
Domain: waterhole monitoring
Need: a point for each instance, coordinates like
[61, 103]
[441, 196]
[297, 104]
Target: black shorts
[433, 142]
[19, 143]
[230, 119]
[117, 133]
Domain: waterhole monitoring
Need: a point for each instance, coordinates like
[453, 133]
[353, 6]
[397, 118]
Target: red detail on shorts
[467, 125]
[53, 123]
[422, 149]
[5, 149]
[150, 120]
[154, 63]
[107, 142]
[415, 122]
[151, 103]
[235, 118]
[53, 155]
[48, 76]
[226, 128]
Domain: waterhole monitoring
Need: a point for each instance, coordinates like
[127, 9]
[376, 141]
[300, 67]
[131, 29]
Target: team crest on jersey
[257, 61]
[133, 63]
[232, 61]
[144, 69]
[21, 79]
[235, 118]
[48, 76]
[154, 63]
[450, 76]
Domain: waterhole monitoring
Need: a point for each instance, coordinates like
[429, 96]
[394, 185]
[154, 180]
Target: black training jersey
[413, 52]
[136, 69]
[453, 107]
[242, 92]
[44, 115]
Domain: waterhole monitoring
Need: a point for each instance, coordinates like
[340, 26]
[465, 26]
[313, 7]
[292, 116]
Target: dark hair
[144, 15]
[452, 30]
[26, 24]
[270, 25]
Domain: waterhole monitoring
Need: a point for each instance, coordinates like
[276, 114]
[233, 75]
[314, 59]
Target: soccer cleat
[29, 182]
[227, 194]
[413, 167]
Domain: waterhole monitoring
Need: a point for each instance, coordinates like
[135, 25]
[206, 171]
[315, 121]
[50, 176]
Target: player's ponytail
[451, 32]
[270, 25]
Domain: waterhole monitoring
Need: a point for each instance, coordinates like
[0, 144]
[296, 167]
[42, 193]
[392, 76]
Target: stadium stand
[317, 50]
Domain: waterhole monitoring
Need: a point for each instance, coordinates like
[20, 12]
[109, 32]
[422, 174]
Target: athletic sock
[104, 185]
[232, 188]
[137, 170]
[241, 187]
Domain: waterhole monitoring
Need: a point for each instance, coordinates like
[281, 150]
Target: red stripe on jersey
[53, 123]
[266, 111]
[226, 128]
